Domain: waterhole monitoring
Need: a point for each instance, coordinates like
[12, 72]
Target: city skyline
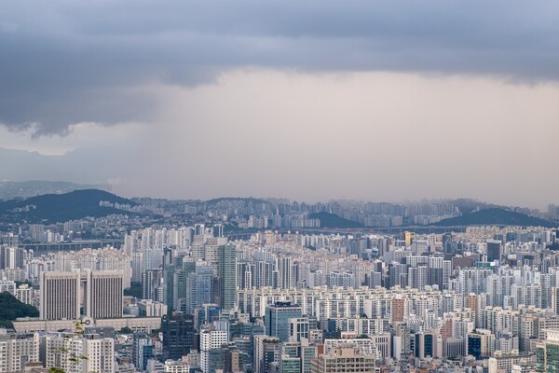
[279, 186]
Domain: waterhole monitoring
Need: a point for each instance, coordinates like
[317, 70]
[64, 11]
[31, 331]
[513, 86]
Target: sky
[314, 100]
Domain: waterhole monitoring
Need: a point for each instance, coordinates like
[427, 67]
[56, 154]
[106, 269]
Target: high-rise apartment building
[285, 272]
[16, 350]
[11, 257]
[210, 340]
[555, 300]
[100, 354]
[79, 354]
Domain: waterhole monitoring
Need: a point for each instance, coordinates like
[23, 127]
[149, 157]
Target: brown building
[345, 359]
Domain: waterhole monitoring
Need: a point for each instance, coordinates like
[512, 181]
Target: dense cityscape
[261, 286]
[248, 186]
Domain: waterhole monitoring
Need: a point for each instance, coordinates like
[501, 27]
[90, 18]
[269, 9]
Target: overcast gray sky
[376, 100]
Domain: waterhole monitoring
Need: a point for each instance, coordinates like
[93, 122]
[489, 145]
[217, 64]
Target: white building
[24, 293]
[79, 354]
[60, 295]
[149, 308]
[16, 350]
[210, 339]
[104, 294]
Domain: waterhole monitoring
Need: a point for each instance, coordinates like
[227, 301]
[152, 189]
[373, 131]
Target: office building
[267, 351]
[343, 359]
[493, 250]
[142, 350]
[289, 364]
[60, 295]
[479, 343]
[547, 353]
[179, 336]
[277, 319]
[227, 275]
[104, 294]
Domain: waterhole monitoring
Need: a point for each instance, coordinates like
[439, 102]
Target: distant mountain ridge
[239, 200]
[53, 208]
[495, 216]
[31, 188]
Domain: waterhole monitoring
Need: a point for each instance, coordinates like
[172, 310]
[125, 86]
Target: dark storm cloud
[63, 62]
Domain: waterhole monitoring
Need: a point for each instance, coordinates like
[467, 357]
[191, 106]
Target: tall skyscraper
[199, 286]
[11, 257]
[493, 250]
[277, 319]
[227, 273]
[169, 280]
[60, 295]
[399, 309]
[285, 272]
[178, 336]
[151, 279]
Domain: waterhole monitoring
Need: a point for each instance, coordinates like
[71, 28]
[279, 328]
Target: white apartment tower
[101, 356]
[209, 340]
[79, 354]
[16, 351]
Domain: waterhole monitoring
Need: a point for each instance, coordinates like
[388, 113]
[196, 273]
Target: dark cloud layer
[63, 62]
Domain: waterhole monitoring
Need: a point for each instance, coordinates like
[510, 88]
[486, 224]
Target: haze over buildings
[404, 156]
[423, 99]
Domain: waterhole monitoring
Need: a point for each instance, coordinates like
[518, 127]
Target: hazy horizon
[357, 100]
